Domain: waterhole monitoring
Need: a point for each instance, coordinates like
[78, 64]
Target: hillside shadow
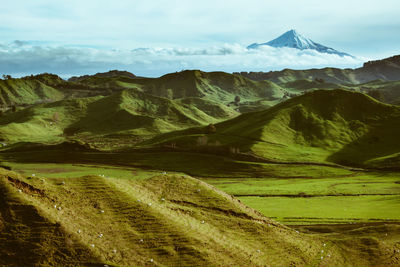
[378, 142]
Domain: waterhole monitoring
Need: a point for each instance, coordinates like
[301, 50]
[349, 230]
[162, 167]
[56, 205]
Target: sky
[152, 38]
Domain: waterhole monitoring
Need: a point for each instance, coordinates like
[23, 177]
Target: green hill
[322, 126]
[28, 91]
[127, 112]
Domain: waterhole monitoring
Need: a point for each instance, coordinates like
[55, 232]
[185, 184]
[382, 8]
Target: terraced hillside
[322, 126]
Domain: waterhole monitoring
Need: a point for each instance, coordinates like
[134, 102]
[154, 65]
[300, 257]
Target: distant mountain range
[293, 39]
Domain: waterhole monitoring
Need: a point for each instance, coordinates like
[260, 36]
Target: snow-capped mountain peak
[293, 39]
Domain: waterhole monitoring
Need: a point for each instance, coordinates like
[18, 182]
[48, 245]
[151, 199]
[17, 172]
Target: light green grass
[78, 170]
[327, 209]
[371, 197]
[374, 183]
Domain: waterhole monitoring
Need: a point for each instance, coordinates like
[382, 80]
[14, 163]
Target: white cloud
[21, 58]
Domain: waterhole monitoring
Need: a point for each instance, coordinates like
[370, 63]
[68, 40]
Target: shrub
[56, 117]
[211, 128]
[237, 99]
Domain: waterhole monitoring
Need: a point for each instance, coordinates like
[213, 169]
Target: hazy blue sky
[73, 37]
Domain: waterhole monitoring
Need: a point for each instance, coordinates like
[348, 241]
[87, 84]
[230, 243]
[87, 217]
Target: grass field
[327, 195]
[363, 197]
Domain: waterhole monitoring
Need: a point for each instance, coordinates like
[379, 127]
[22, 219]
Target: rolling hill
[128, 112]
[387, 69]
[215, 86]
[324, 126]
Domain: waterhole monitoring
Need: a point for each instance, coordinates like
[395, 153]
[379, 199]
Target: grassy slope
[306, 84]
[128, 111]
[337, 126]
[168, 231]
[27, 91]
[390, 90]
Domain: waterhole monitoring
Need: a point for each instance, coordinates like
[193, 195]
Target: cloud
[22, 58]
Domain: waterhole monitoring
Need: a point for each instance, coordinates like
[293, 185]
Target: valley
[199, 169]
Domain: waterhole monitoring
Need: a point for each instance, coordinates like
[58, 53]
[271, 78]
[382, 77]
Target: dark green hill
[111, 73]
[322, 126]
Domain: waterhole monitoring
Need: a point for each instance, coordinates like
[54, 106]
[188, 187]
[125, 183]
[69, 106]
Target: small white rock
[202, 222]
[141, 240]
[198, 190]
[149, 204]
[19, 190]
[329, 255]
[151, 260]
[322, 251]
[79, 231]
[259, 251]
[100, 235]
[33, 175]
[55, 206]
[92, 245]
[162, 199]
[324, 245]
[59, 208]
[297, 231]
[63, 183]
[102, 211]
[322, 257]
